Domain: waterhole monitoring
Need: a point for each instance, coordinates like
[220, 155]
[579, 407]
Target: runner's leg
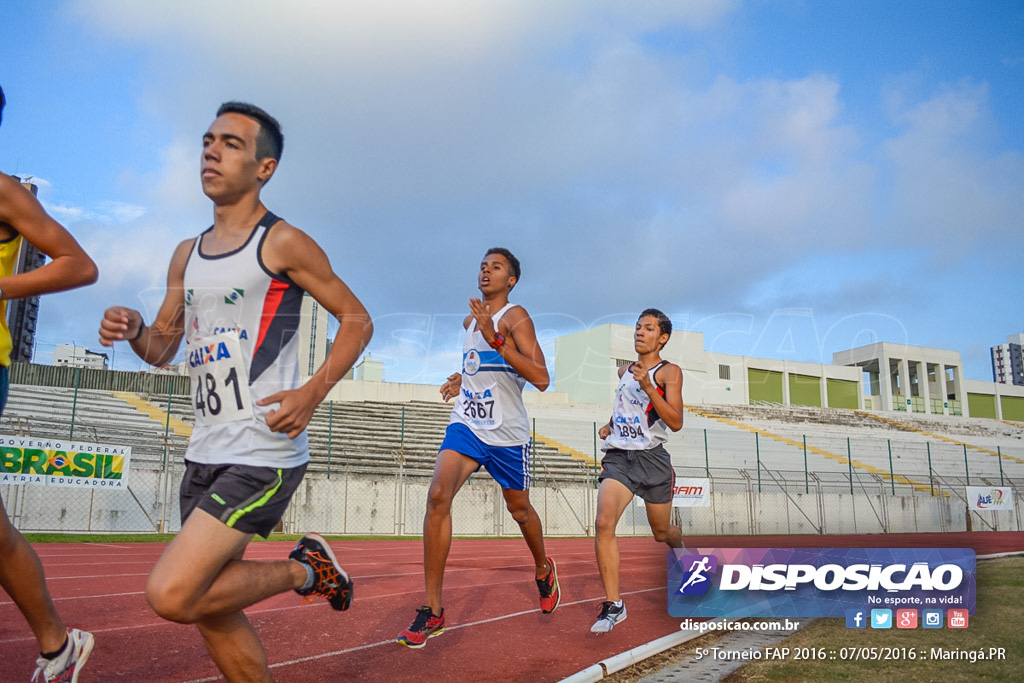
[660, 517]
[519, 506]
[451, 471]
[21, 575]
[612, 499]
[202, 579]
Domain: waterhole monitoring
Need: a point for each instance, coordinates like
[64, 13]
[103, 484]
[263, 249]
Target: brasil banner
[58, 462]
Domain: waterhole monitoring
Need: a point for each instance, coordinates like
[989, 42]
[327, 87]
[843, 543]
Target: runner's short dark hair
[664, 324]
[512, 260]
[270, 139]
[3, 102]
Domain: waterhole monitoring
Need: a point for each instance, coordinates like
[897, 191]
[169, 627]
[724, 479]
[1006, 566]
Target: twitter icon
[881, 618]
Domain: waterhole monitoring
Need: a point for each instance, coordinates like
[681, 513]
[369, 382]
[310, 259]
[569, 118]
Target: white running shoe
[610, 615]
[64, 667]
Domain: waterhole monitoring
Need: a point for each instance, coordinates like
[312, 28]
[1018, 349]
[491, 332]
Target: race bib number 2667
[220, 382]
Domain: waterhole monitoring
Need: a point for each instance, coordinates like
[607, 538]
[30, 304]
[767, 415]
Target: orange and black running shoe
[329, 579]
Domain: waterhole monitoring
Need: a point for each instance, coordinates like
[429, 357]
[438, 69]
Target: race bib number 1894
[220, 381]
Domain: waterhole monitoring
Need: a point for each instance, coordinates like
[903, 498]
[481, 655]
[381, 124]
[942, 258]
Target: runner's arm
[158, 342]
[669, 406]
[606, 429]
[69, 266]
[295, 254]
[521, 348]
[450, 388]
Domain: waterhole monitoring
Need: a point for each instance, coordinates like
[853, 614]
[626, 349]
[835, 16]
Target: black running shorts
[250, 499]
[647, 474]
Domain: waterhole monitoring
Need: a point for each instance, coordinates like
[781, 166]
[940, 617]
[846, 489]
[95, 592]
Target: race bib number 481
[220, 381]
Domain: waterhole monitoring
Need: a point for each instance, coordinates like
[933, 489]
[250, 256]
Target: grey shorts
[250, 499]
[647, 474]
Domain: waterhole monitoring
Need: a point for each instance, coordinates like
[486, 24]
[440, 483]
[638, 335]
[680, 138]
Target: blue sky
[790, 178]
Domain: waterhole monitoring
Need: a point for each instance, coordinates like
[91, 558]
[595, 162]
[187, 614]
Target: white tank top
[491, 400]
[241, 343]
[636, 425]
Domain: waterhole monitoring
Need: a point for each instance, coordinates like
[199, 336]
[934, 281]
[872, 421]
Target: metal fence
[772, 481]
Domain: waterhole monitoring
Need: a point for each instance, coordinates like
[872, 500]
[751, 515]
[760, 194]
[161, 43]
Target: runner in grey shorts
[648, 402]
[647, 474]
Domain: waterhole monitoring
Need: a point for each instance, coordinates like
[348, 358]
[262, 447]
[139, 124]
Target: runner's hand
[294, 413]
[118, 324]
[641, 376]
[450, 389]
[605, 431]
[482, 314]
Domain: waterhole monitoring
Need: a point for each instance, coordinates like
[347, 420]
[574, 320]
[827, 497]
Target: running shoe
[64, 667]
[550, 596]
[329, 579]
[425, 625]
[610, 615]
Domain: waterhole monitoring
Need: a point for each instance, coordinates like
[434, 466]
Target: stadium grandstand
[769, 467]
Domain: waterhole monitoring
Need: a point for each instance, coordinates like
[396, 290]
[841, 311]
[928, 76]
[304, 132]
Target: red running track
[495, 632]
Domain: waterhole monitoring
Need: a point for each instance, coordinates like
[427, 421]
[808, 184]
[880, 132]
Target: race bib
[631, 431]
[480, 409]
[220, 380]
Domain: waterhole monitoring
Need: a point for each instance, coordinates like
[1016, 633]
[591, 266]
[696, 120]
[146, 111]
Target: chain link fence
[372, 462]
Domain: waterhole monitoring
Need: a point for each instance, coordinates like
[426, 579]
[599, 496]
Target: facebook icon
[855, 618]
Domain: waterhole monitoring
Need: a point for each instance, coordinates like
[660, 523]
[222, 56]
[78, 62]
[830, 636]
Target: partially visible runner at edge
[489, 427]
[648, 401]
[62, 650]
[234, 294]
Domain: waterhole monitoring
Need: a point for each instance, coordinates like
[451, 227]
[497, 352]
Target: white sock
[310, 577]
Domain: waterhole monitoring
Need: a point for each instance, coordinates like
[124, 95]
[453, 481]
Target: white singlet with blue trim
[491, 400]
[241, 336]
[636, 425]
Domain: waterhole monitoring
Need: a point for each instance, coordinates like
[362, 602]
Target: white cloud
[418, 134]
[949, 189]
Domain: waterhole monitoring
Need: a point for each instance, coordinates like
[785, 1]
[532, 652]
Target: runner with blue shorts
[488, 428]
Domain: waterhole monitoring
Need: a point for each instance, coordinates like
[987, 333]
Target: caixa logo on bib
[816, 582]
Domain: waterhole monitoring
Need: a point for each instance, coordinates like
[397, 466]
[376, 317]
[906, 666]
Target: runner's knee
[169, 602]
[519, 511]
[438, 501]
[605, 524]
[664, 534]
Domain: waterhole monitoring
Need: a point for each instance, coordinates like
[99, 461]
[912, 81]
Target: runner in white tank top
[490, 400]
[232, 301]
[488, 428]
[649, 399]
[234, 294]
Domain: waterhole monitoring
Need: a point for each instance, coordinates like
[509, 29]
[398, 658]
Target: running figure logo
[695, 580]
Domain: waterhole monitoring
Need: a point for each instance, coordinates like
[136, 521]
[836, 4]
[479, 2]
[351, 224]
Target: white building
[79, 357]
[1008, 361]
[915, 379]
[587, 362]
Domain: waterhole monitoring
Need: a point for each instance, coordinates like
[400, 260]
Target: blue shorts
[508, 465]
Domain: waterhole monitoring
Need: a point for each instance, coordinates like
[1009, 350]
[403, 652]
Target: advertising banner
[982, 498]
[59, 462]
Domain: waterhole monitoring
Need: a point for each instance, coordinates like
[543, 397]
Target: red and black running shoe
[425, 625]
[550, 595]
